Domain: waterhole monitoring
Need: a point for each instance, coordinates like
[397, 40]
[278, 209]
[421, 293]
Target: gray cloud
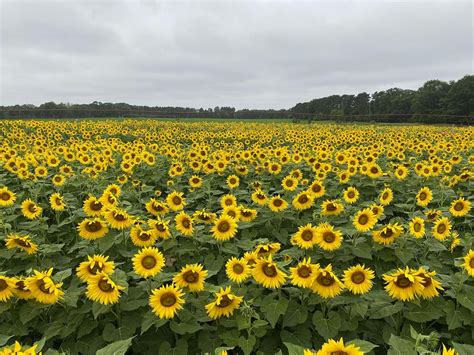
[264, 54]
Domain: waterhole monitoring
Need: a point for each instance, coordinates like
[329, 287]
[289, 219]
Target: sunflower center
[384, 195]
[120, 217]
[374, 170]
[417, 227]
[191, 277]
[307, 235]
[351, 194]
[458, 206]
[325, 280]
[32, 208]
[5, 196]
[304, 271]
[289, 183]
[329, 237]
[22, 243]
[225, 301]
[269, 270]
[19, 285]
[3, 285]
[176, 200]
[303, 199]
[339, 352]
[42, 286]
[238, 269]
[168, 299]
[471, 263]
[149, 262]
[105, 286]
[223, 226]
[358, 277]
[316, 188]
[386, 233]
[246, 213]
[423, 196]
[157, 207]
[441, 228]
[427, 281]
[95, 268]
[363, 219]
[277, 202]
[331, 207]
[232, 181]
[93, 226]
[161, 227]
[403, 282]
[186, 223]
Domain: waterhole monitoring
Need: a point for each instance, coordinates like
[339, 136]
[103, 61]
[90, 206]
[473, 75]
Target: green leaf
[327, 327]
[463, 349]
[117, 348]
[4, 338]
[150, 319]
[386, 309]
[466, 300]
[183, 328]
[365, 346]
[98, 309]
[400, 346]
[294, 349]
[247, 344]
[273, 310]
[362, 250]
[134, 304]
[454, 316]
[295, 314]
[426, 313]
[62, 275]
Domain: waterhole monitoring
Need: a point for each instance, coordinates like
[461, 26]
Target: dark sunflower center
[23, 243]
[195, 181]
[316, 188]
[5, 196]
[149, 262]
[471, 263]
[329, 237]
[176, 200]
[42, 286]
[331, 207]
[32, 208]
[232, 181]
[238, 269]
[303, 199]
[58, 201]
[277, 202]
[289, 183]
[120, 217]
[384, 195]
[105, 286]
[351, 194]
[269, 270]
[386, 233]
[168, 299]
[403, 282]
[3, 285]
[374, 170]
[363, 219]
[93, 226]
[94, 269]
[246, 213]
[19, 285]
[304, 271]
[339, 352]
[223, 226]
[441, 228]
[427, 281]
[325, 280]
[161, 227]
[417, 227]
[307, 235]
[191, 277]
[228, 202]
[157, 207]
[186, 223]
[225, 301]
[358, 277]
[458, 206]
[144, 236]
[423, 196]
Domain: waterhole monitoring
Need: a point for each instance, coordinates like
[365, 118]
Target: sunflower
[43, 288]
[387, 234]
[430, 284]
[433, 215]
[18, 349]
[118, 218]
[317, 189]
[441, 228]
[176, 201]
[364, 220]
[224, 228]
[232, 181]
[424, 197]
[333, 347]
[386, 196]
[184, 224]
[224, 305]
[228, 201]
[195, 181]
[57, 202]
[351, 195]
[191, 276]
[20, 290]
[41, 171]
[358, 279]
[58, 180]
[92, 228]
[247, 214]
[7, 198]
[7, 287]
[328, 238]
[469, 263]
[93, 207]
[401, 172]
[156, 208]
[267, 273]
[113, 189]
[204, 216]
[259, 197]
[403, 284]
[21, 242]
[102, 289]
[232, 212]
[302, 275]
[306, 237]
[303, 201]
[237, 270]
[326, 283]
[331, 208]
[289, 183]
[417, 227]
[250, 258]
[460, 207]
[95, 264]
[377, 210]
[265, 250]
[161, 227]
[143, 237]
[148, 262]
[277, 204]
[166, 301]
[30, 209]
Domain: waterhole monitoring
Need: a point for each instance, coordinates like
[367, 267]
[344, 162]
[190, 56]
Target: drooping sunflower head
[166, 301]
[95, 264]
[21, 242]
[191, 276]
[148, 262]
[403, 284]
[224, 305]
[326, 283]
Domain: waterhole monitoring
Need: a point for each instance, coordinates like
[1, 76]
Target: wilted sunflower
[57, 202]
[43, 288]
[306, 237]
[30, 209]
[403, 284]
[351, 195]
[228, 201]
[302, 201]
[166, 301]
[386, 196]
[184, 224]
[176, 201]
[237, 270]
[224, 228]
[441, 228]
[118, 218]
[92, 228]
[21, 242]
[327, 237]
[7, 197]
[417, 227]
[148, 262]
[161, 227]
[7, 287]
[358, 279]
[388, 234]
[156, 208]
[469, 263]
[191, 276]
[95, 264]
[277, 204]
[333, 347]
[101, 288]
[224, 305]
[364, 220]
[303, 274]
[424, 197]
[20, 290]
[267, 273]
[460, 207]
[326, 283]
[430, 284]
[93, 207]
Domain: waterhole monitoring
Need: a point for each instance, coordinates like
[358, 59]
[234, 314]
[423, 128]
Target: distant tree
[429, 98]
[460, 97]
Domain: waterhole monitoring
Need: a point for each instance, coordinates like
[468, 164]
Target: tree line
[434, 102]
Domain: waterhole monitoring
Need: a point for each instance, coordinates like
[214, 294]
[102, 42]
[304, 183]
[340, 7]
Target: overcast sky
[243, 54]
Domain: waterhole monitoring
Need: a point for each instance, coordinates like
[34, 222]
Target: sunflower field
[160, 237]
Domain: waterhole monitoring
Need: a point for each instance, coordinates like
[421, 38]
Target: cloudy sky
[265, 54]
